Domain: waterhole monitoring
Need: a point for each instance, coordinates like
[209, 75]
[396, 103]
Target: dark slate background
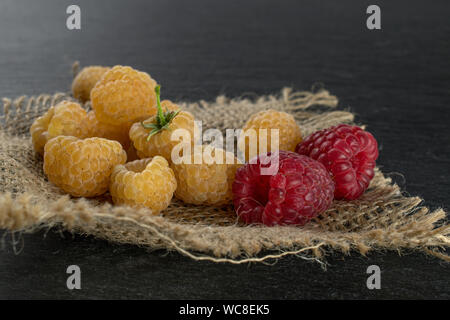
[396, 80]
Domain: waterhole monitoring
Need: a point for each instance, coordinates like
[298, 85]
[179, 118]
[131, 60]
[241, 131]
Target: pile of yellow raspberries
[124, 146]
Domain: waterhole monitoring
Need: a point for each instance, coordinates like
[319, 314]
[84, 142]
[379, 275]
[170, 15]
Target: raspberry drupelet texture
[123, 96]
[95, 128]
[160, 143]
[208, 181]
[38, 130]
[349, 153]
[154, 136]
[80, 167]
[147, 182]
[85, 80]
[289, 132]
[300, 189]
[66, 118]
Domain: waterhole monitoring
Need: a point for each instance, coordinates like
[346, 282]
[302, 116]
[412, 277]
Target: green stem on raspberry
[158, 104]
[163, 119]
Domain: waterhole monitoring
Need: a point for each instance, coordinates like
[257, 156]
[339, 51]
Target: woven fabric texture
[382, 219]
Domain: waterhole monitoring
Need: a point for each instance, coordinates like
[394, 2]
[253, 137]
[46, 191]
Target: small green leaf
[163, 119]
[153, 132]
[149, 125]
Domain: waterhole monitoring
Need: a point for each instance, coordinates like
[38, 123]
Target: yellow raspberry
[120, 133]
[148, 183]
[95, 128]
[289, 132]
[86, 80]
[123, 96]
[208, 182]
[160, 143]
[153, 136]
[38, 130]
[66, 118]
[80, 167]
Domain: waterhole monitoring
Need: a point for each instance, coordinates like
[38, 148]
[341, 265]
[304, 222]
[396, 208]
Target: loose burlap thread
[382, 219]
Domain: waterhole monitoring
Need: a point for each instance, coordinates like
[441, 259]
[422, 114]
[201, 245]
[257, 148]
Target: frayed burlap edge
[383, 219]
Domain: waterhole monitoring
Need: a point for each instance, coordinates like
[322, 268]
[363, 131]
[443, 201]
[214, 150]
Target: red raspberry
[298, 191]
[349, 154]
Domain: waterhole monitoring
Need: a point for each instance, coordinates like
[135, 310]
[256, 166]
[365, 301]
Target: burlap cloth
[382, 219]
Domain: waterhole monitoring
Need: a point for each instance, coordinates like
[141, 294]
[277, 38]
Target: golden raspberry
[95, 128]
[161, 143]
[208, 182]
[121, 133]
[86, 80]
[80, 167]
[148, 182]
[123, 96]
[153, 136]
[38, 130]
[66, 118]
[289, 132]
